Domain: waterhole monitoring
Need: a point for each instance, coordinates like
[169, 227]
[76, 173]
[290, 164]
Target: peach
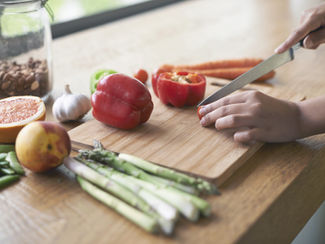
[41, 146]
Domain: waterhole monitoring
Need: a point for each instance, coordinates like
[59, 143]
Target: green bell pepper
[95, 78]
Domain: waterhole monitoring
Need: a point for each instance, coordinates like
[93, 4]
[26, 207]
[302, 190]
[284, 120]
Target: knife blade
[273, 62]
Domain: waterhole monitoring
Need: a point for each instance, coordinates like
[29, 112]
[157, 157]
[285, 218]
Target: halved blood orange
[16, 112]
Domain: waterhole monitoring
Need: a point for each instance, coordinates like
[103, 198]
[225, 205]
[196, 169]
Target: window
[75, 15]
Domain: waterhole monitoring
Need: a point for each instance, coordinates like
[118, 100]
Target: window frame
[71, 26]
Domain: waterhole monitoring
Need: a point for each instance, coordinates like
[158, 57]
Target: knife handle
[301, 42]
[298, 45]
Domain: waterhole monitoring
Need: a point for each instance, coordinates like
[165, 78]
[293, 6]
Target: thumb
[314, 39]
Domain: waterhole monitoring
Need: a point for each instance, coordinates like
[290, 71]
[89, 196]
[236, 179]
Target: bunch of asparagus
[10, 169]
[149, 195]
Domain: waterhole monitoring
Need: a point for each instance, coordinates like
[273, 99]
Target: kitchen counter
[267, 200]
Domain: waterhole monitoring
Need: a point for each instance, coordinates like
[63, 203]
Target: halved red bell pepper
[121, 101]
[180, 88]
[154, 79]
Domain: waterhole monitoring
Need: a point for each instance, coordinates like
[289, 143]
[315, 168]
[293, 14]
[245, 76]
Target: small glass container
[25, 49]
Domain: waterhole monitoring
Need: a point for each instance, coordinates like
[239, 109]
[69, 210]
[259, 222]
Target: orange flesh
[17, 110]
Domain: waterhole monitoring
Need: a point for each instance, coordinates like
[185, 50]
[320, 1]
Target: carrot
[228, 73]
[217, 64]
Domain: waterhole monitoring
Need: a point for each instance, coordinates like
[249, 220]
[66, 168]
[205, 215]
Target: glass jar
[25, 49]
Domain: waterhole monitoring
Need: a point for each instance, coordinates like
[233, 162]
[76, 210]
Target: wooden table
[268, 200]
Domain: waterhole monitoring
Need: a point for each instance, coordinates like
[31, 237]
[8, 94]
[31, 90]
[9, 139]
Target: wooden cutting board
[174, 137]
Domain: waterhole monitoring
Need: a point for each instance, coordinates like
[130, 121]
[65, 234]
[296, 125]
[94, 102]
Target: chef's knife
[253, 74]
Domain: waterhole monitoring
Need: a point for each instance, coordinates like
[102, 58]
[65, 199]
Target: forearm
[312, 116]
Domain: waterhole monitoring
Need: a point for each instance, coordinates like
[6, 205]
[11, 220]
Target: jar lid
[8, 2]
[42, 3]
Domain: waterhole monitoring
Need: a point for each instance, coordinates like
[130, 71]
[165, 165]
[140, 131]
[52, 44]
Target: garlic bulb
[70, 106]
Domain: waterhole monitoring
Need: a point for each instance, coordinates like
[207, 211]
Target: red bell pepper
[154, 79]
[121, 101]
[180, 88]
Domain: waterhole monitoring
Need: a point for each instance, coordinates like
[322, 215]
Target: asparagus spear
[119, 190]
[169, 173]
[202, 185]
[137, 163]
[14, 164]
[164, 213]
[124, 166]
[182, 204]
[165, 210]
[107, 184]
[137, 217]
[7, 180]
[201, 204]
[181, 187]
[108, 157]
[186, 207]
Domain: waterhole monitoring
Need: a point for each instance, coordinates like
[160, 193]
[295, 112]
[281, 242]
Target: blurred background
[65, 10]
[75, 15]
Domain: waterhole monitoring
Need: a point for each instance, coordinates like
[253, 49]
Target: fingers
[313, 40]
[310, 22]
[295, 37]
[248, 136]
[234, 121]
[220, 112]
[237, 98]
[241, 103]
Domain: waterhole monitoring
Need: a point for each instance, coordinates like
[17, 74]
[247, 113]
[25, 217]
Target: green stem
[14, 164]
[147, 223]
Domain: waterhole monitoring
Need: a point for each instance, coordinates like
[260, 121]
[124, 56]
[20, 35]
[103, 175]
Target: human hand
[254, 116]
[311, 29]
